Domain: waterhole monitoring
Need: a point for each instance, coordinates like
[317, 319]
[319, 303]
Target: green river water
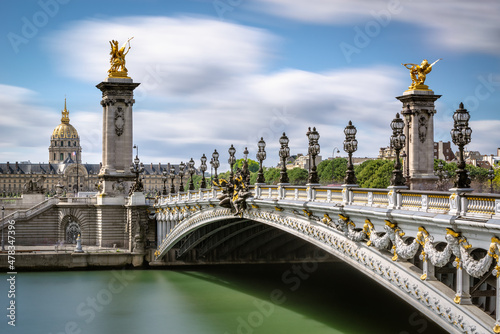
[247, 299]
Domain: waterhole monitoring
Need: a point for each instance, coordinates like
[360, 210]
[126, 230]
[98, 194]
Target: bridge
[439, 251]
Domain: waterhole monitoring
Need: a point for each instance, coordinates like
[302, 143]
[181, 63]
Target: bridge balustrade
[465, 204]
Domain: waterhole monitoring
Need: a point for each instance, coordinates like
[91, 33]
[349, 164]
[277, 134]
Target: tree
[374, 173]
[298, 176]
[272, 175]
[328, 169]
[253, 165]
[478, 175]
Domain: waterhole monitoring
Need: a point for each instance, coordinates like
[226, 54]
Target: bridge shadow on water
[333, 295]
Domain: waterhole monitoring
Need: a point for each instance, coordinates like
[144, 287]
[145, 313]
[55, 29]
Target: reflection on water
[246, 299]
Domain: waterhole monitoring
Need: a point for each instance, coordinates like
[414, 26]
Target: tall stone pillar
[115, 177]
[419, 110]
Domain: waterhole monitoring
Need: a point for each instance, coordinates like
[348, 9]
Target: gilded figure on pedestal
[117, 59]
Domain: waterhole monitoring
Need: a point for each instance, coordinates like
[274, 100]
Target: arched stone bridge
[437, 250]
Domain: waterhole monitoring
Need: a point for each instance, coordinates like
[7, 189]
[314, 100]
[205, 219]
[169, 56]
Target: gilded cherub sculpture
[117, 59]
[418, 74]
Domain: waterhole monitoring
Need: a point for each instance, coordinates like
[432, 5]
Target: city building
[302, 161]
[443, 151]
[492, 159]
[386, 153]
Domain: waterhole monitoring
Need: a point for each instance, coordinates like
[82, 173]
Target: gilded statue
[117, 59]
[234, 192]
[418, 74]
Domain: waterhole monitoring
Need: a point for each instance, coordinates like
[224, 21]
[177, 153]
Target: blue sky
[220, 72]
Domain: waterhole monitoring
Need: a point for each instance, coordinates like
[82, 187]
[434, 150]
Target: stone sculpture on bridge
[234, 192]
[35, 186]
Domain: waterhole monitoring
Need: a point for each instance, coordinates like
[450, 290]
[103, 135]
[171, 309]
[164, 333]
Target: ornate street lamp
[284, 154]
[313, 151]
[261, 156]
[203, 168]
[231, 160]
[407, 115]
[245, 173]
[215, 164]
[164, 178]
[172, 177]
[191, 171]
[137, 168]
[182, 165]
[397, 142]
[461, 136]
[442, 175]
[491, 176]
[350, 146]
[335, 150]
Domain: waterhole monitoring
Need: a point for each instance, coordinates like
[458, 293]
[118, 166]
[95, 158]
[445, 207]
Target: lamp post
[191, 172]
[261, 156]
[182, 165]
[203, 168]
[231, 160]
[215, 164]
[172, 177]
[245, 171]
[461, 136]
[350, 146]
[442, 175]
[284, 154]
[335, 150]
[137, 168]
[491, 176]
[164, 178]
[313, 151]
[407, 115]
[398, 142]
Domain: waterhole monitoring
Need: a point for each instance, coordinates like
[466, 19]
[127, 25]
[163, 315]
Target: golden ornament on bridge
[418, 74]
[117, 60]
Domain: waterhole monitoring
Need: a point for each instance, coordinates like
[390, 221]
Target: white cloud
[460, 25]
[24, 125]
[171, 56]
[482, 134]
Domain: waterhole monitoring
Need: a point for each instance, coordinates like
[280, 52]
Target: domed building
[65, 142]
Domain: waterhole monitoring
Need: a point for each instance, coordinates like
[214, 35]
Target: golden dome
[65, 130]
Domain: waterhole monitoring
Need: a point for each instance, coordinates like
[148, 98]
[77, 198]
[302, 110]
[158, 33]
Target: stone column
[158, 232]
[115, 177]
[421, 137]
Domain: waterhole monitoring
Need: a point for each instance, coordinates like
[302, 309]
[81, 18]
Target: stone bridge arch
[345, 240]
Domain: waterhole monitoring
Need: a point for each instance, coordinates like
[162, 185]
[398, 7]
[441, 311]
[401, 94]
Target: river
[244, 299]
